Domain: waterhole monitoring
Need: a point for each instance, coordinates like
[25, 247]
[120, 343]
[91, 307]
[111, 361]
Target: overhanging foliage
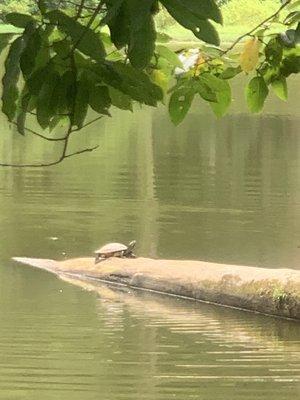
[98, 54]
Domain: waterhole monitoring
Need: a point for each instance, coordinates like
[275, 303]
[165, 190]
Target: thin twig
[88, 149]
[80, 9]
[40, 135]
[76, 5]
[257, 26]
[72, 113]
[87, 124]
[88, 25]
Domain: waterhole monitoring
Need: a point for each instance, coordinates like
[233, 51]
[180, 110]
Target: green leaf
[294, 5]
[201, 28]
[230, 72]
[83, 38]
[269, 73]
[28, 57]
[105, 37]
[163, 65]
[169, 55]
[21, 117]
[132, 82]
[118, 20]
[36, 80]
[256, 93]
[142, 33]
[42, 57]
[223, 93]
[11, 77]
[55, 121]
[260, 33]
[81, 102]
[19, 20]
[42, 6]
[201, 87]
[212, 51]
[120, 100]
[64, 93]
[138, 85]
[291, 18]
[273, 52]
[180, 103]
[280, 88]
[4, 40]
[113, 9]
[205, 9]
[290, 65]
[288, 38]
[99, 99]
[297, 34]
[62, 47]
[223, 100]
[45, 110]
[161, 79]
[162, 37]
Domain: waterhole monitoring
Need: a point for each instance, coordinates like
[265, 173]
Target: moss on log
[268, 291]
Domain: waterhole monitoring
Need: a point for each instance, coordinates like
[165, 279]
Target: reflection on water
[222, 190]
[130, 345]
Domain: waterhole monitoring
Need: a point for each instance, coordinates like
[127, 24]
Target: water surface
[218, 190]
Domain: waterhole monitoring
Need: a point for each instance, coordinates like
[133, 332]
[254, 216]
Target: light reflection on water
[129, 344]
[224, 191]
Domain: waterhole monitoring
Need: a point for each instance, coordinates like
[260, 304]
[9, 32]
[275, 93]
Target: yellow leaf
[160, 79]
[201, 59]
[249, 55]
[200, 64]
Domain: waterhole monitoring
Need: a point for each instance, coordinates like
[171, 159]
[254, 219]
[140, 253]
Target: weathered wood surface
[269, 291]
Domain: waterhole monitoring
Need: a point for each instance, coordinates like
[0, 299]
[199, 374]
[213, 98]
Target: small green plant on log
[279, 295]
[99, 54]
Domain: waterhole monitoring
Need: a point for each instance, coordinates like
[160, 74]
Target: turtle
[114, 250]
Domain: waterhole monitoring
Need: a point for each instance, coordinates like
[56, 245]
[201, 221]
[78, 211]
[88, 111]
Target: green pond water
[218, 190]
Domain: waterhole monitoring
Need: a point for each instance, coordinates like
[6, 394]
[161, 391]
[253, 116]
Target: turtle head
[131, 245]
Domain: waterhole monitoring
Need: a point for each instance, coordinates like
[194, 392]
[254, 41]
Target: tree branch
[50, 164]
[80, 9]
[76, 5]
[65, 139]
[42, 136]
[86, 150]
[257, 26]
[92, 19]
[87, 124]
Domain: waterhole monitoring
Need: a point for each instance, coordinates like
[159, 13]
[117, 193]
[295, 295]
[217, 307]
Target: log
[268, 291]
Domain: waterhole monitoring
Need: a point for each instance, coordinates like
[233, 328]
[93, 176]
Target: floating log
[268, 291]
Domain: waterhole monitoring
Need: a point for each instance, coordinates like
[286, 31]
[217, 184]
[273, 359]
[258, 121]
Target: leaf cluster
[271, 53]
[64, 63]
[279, 57]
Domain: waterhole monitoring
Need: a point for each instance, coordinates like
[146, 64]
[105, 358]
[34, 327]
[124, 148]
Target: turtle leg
[130, 255]
[98, 259]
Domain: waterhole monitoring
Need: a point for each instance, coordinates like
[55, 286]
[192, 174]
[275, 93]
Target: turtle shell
[111, 248]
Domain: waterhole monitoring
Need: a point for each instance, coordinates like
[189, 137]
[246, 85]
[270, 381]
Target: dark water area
[223, 190]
